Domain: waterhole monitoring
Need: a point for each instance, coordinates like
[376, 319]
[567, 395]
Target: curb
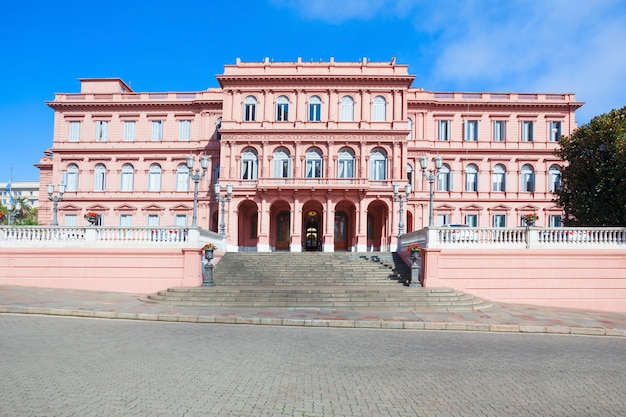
[335, 323]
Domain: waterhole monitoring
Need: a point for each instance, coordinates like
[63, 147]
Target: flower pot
[415, 254]
[208, 254]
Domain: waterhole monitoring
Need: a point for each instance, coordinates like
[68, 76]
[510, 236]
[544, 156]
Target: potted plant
[529, 219]
[414, 249]
[91, 217]
[208, 250]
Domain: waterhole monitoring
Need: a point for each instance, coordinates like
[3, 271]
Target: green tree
[593, 191]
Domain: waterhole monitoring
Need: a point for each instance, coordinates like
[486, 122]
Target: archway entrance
[341, 231]
[283, 226]
[312, 240]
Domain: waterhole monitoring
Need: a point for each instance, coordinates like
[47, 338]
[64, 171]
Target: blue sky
[557, 46]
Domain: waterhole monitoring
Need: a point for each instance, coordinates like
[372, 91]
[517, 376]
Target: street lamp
[55, 201]
[197, 177]
[431, 176]
[398, 198]
[223, 199]
[13, 209]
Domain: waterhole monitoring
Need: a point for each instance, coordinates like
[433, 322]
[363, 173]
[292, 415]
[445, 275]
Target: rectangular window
[313, 169]
[471, 184]
[471, 220]
[555, 131]
[102, 129]
[126, 220]
[346, 169]
[184, 130]
[315, 110]
[499, 220]
[129, 131]
[379, 170]
[157, 130]
[443, 219]
[180, 220]
[74, 132]
[249, 110]
[499, 131]
[471, 130]
[153, 220]
[444, 129]
[527, 131]
[556, 220]
[282, 112]
[70, 220]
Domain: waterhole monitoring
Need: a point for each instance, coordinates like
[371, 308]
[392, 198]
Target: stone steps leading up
[345, 281]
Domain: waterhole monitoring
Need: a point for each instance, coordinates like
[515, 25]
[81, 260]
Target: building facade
[310, 151]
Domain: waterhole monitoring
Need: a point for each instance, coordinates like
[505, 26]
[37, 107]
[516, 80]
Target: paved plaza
[56, 366]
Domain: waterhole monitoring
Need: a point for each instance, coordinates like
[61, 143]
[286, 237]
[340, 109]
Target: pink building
[311, 150]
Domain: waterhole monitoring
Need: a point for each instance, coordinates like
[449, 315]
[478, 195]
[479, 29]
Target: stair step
[372, 280]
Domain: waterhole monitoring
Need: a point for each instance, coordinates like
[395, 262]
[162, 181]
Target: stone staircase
[339, 280]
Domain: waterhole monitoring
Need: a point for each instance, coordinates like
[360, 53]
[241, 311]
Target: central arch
[312, 226]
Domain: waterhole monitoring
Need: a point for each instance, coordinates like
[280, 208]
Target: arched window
[313, 164]
[378, 165]
[127, 177]
[409, 175]
[499, 178]
[347, 109]
[282, 109]
[154, 178]
[249, 109]
[282, 163]
[528, 179]
[249, 165]
[218, 126]
[379, 109]
[99, 177]
[554, 175]
[345, 163]
[444, 178]
[182, 178]
[471, 178]
[70, 178]
[315, 109]
[410, 127]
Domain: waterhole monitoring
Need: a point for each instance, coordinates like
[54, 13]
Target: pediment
[181, 207]
[70, 207]
[125, 207]
[153, 207]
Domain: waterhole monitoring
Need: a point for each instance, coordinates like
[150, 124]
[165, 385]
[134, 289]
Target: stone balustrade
[105, 236]
[516, 238]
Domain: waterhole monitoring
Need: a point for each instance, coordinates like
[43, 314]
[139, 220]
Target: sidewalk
[501, 318]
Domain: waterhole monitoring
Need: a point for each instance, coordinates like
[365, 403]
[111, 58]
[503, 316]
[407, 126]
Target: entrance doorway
[312, 240]
[341, 231]
[283, 225]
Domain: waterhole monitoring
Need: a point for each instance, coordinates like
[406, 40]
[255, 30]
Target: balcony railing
[101, 236]
[517, 238]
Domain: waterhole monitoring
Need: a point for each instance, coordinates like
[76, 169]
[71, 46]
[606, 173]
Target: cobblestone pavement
[60, 366]
[501, 318]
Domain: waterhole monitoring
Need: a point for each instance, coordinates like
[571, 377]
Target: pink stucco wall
[104, 269]
[585, 279]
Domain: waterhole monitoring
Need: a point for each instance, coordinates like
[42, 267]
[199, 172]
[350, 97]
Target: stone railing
[516, 238]
[101, 236]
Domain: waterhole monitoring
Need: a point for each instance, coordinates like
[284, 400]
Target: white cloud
[573, 46]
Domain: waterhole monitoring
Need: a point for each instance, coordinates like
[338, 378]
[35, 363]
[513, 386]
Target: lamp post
[197, 177]
[223, 199]
[431, 176]
[13, 209]
[55, 201]
[398, 198]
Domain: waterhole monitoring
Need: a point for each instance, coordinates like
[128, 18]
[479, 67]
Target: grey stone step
[316, 280]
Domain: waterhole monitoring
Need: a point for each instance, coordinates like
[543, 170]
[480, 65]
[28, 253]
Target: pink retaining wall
[584, 279]
[105, 269]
